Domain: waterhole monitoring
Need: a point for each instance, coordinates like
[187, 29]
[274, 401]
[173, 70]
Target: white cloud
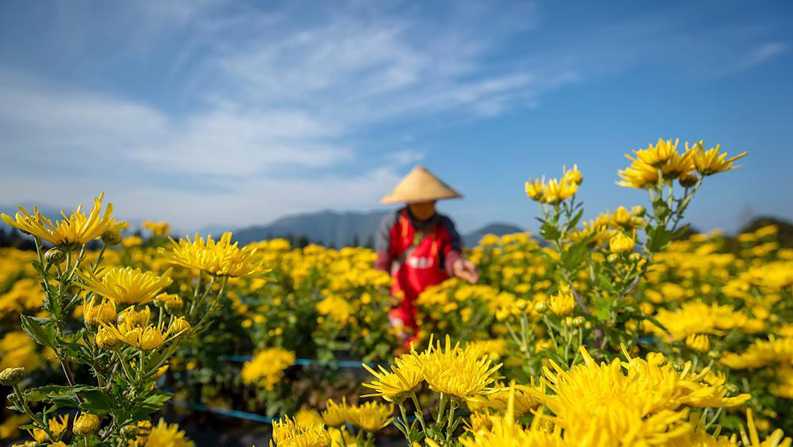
[763, 53]
[405, 157]
[269, 99]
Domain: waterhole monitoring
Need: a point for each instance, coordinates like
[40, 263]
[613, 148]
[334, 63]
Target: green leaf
[150, 405]
[574, 221]
[657, 238]
[549, 231]
[572, 257]
[96, 401]
[157, 400]
[41, 330]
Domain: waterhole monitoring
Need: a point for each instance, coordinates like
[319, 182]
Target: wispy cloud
[263, 111]
[265, 105]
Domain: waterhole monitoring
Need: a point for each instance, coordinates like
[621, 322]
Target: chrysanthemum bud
[11, 376]
[54, 255]
[178, 325]
[25, 444]
[99, 313]
[129, 431]
[638, 211]
[106, 338]
[85, 424]
[621, 243]
[111, 237]
[172, 302]
[161, 371]
[688, 180]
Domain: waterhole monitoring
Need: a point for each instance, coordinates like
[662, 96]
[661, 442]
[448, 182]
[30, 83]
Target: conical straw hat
[420, 186]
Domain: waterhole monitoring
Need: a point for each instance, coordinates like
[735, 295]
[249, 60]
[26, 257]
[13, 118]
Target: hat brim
[416, 198]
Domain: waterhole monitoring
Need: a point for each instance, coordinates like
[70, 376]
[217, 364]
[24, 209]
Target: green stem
[419, 411]
[450, 425]
[441, 409]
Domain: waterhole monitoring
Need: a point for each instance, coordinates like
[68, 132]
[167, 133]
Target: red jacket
[428, 248]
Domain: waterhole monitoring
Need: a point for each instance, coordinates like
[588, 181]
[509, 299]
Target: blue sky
[235, 113]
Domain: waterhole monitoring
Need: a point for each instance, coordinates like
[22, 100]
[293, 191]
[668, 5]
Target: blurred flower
[621, 243]
[267, 367]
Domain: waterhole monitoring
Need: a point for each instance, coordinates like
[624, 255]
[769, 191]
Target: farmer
[418, 246]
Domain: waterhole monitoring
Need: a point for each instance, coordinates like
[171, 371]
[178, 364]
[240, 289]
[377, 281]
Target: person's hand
[465, 270]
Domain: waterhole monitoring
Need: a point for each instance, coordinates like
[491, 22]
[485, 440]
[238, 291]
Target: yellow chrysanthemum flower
[267, 367]
[73, 230]
[761, 353]
[713, 161]
[371, 416]
[97, 311]
[167, 435]
[396, 383]
[336, 307]
[698, 342]
[287, 433]
[524, 399]
[57, 427]
[335, 415]
[106, 337]
[572, 175]
[752, 438]
[157, 228]
[143, 338]
[493, 348]
[308, 416]
[562, 303]
[534, 189]
[135, 317]
[621, 243]
[504, 431]
[178, 326]
[556, 191]
[639, 175]
[221, 258]
[596, 404]
[126, 285]
[454, 371]
[659, 154]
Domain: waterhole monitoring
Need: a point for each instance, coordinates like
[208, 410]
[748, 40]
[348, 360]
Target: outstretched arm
[456, 265]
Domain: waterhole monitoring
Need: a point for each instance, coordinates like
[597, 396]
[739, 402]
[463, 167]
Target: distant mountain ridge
[338, 229]
[332, 228]
[498, 228]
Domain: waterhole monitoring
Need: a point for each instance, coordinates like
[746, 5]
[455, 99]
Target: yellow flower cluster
[662, 163]
[267, 367]
[555, 191]
[637, 402]
[449, 369]
[369, 416]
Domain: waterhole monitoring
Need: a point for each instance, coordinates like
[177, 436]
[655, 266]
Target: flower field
[625, 330]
